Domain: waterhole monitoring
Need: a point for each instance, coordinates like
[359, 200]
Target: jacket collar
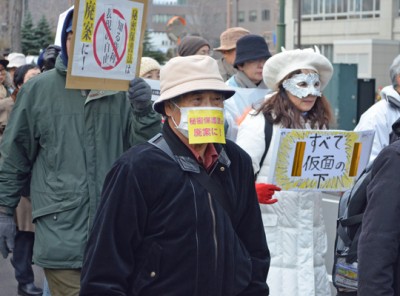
[60, 67]
[185, 157]
[89, 94]
[390, 94]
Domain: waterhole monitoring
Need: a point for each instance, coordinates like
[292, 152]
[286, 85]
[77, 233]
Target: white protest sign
[107, 43]
[155, 88]
[320, 160]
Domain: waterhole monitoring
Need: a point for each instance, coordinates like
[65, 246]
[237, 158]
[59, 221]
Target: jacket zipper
[197, 239]
[214, 231]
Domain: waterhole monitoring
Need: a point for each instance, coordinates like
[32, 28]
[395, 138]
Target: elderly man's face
[230, 56]
[197, 99]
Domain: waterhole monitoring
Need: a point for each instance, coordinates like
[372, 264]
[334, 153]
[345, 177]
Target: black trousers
[22, 257]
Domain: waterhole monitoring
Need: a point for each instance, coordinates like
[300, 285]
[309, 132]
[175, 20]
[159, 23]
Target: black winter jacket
[379, 243]
[159, 232]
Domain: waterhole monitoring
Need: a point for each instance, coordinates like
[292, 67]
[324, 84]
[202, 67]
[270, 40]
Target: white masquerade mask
[302, 85]
[184, 123]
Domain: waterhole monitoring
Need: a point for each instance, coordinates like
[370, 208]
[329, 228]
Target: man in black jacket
[379, 244]
[179, 215]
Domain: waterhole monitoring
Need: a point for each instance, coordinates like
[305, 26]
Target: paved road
[330, 210]
[8, 284]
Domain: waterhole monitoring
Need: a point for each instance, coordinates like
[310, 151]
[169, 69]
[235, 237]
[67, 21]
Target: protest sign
[320, 160]
[206, 126]
[107, 43]
[155, 88]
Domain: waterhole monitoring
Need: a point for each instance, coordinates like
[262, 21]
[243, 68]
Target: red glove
[265, 193]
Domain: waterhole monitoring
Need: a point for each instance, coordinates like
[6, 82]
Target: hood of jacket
[389, 94]
[64, 55]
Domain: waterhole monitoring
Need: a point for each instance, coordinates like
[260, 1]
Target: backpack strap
[353, 220]
[211, 184]
[343, 223]
[268, 136]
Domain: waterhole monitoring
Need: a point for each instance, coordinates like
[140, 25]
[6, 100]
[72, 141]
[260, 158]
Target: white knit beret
[277, 67]
[147, 64]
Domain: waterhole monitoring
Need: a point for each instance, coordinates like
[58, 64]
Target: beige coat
[6, 106]
[23, 215]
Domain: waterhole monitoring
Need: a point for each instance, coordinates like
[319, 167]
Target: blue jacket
[159, 232]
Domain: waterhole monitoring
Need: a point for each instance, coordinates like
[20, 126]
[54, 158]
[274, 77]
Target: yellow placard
[355, 159]
[298, 159]
[132, 34]
[206, 126]
[88, 20]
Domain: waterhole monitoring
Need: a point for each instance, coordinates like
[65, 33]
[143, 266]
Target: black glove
[7, 234]
[139, 94]
[51, 52]
[49, 56]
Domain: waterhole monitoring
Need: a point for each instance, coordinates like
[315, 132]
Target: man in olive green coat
[65, 140]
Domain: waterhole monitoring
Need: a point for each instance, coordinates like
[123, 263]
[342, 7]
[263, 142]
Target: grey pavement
[330, 202]
[8, 283]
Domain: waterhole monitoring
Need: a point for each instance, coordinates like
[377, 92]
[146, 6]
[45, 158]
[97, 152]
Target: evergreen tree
[43, 33]
[28, 38]
[147, 46]
[148, 50]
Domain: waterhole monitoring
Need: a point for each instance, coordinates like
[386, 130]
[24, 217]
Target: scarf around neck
[243, 81]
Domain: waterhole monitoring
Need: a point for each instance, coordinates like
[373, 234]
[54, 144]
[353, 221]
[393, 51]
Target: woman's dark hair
[20, 72]
[280, 110]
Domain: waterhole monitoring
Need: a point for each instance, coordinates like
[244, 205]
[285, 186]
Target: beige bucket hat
[181, 75]
[229, 37]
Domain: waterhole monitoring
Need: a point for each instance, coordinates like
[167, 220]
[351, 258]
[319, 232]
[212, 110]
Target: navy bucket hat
[250, 48]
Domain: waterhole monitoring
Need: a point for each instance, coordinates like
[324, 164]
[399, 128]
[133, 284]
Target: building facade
[363, 32]
[209, 18]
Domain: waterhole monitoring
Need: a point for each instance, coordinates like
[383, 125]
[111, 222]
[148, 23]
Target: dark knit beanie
[190, 45]
[3, 61]
[250, 48]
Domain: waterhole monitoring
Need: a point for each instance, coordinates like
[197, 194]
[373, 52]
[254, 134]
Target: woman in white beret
[293, 225]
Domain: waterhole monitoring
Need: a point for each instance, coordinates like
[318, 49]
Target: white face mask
[184, 123]
[303, 85]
